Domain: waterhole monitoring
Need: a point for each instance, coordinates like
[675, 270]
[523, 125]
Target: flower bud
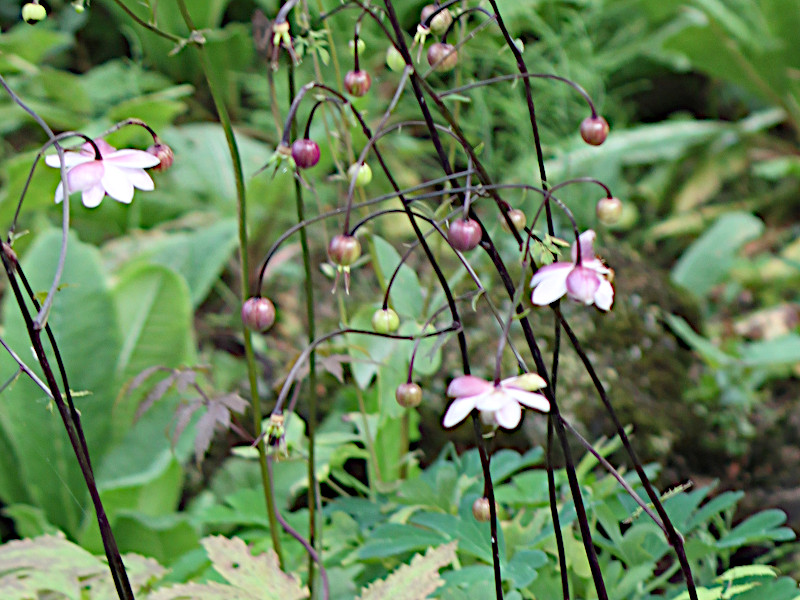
[364, 173]
[394, 60]
[609, 210]
[305, 153]
[594, 130]
[481, 510]
[517, 218]
[444, 56]
[357, 83]
[344, 250]
[408, 395]
[385, 320]
[438, 23]
[464, 234]
[258, 314]
[361, 46]
[163, 153]
[33, 12]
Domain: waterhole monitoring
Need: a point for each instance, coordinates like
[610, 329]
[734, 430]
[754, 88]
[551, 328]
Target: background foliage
[704, 104]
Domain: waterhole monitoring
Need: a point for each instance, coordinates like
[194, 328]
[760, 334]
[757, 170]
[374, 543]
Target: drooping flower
[586, 282]
[115, 173]
[498, 404]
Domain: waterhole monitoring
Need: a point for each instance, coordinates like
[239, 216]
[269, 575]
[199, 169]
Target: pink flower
[115, 173]
[498, 404]
[586, 282]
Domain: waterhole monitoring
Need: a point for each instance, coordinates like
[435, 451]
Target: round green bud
[364, 173]
[385, 320]
[33, 12]
[361, 46]
[609, 210]
[394, 60]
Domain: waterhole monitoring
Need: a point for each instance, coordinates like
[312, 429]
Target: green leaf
[29, 521]
[721, 503]
[164, 538]
[23, 48]
[761, 527]
[199, 256]
[405, 293]
[47, 563]
[391, 539]
[521, 569]
[781, 351]
[703, 346]
[249, 577]
[709, 259]
[84, 323]
[154, 315]
[415, 581]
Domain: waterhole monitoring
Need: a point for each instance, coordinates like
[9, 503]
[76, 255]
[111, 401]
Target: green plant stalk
[233, 150]
[315, 537]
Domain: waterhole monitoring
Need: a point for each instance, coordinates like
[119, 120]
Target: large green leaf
[709, 259]
[154, 314]
[85, 326]
[198, 256]
[406, 293]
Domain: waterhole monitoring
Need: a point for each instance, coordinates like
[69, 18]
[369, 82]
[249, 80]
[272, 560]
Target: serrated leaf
[32, 567]
[47, 563]
[416, 580]
[261, 574]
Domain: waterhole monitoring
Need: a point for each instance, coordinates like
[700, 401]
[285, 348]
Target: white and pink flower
[115, 173]
[499, 404]
[586, 282]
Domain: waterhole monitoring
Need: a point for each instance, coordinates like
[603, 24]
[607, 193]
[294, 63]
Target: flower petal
[139, 178]
[582, 283]
[526, 381]
[494, 400]
[93, 196]
[60, 193]
[70, 160]
[596, 265]
[116, 183]
[604, 296]
[84, 176]
[530, 399]
[102, 145]
[138, 159]
[457, 412]
[552, 285]
[509, 416]
[468, 385]
[549, 271]
[586, 240]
